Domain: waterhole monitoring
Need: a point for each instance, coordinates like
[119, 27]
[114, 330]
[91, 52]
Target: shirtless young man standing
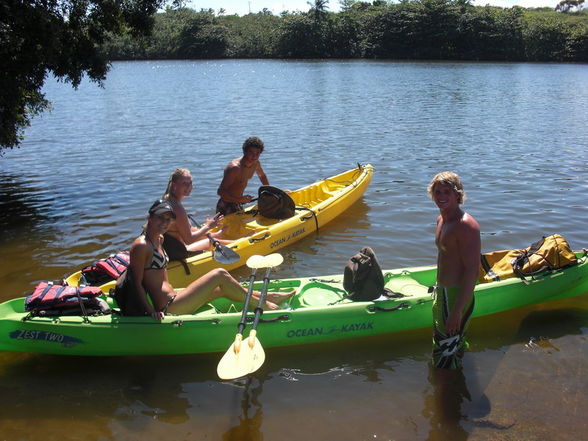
[458, 259]
[236, 176]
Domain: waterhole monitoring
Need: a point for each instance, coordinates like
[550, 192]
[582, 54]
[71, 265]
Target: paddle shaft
[194, 222]
[215, 243]
[243, 322]
[262, 295]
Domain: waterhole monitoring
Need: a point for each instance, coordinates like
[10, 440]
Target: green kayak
[319, 312]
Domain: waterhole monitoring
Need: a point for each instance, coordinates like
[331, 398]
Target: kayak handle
[259, 239]
[270, 320]
[374, 308]
[180, 323]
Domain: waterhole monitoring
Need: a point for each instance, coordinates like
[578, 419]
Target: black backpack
[274, 203]
[363, 278]
[126, 295]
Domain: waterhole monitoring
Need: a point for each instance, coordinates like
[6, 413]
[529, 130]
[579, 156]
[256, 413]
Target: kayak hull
[317, 313]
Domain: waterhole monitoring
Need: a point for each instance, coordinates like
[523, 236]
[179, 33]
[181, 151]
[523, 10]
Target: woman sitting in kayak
[147, 269]
[181, 239]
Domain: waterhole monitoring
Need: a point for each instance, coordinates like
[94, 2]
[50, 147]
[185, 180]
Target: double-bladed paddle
[251, 342]
[234, 362]
[246, 356]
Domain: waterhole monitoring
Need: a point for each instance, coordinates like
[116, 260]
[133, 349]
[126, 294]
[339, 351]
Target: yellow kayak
[316, 205]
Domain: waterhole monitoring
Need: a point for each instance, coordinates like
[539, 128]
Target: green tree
[345, 35]
[297, 38]
[253, 35]
[545, 38]
[203, 37]
[577, 43]
[167, 33]
[567, 5]
[59, 37]
[318, 9]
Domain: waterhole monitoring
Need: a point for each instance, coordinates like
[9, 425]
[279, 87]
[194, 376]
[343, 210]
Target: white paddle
[240, 358]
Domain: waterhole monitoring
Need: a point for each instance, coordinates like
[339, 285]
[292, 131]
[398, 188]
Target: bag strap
[488, 269]
[50, 285]
[517, 267]
[82, 306]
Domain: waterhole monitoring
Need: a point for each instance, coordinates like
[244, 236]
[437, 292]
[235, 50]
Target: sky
[242, 7]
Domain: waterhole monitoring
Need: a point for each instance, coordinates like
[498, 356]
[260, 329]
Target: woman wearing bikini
[148, 268]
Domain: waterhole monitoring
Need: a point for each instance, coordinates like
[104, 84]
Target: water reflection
[21, 208]
[154, 395]
[443, 406]
[103, 396]
[251, 417]
[542, 326]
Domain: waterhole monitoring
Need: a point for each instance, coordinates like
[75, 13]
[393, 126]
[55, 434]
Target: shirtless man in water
[458, 259]
[237, 174]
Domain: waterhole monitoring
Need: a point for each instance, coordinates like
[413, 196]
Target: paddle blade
[222, 254]
[269, 261]
[256, 354]
[241, 362]
[235, 363]
[273, 260]
[256, 261]
[225, 255]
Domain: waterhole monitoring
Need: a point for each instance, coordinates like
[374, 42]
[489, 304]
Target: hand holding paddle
[245, 357]
[221, 254]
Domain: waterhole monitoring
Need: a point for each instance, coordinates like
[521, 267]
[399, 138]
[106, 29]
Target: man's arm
[469, 249]
[262, 176]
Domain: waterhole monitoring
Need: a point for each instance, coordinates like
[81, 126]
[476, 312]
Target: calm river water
[80, 184]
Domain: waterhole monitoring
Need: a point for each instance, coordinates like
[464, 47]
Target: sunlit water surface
[79, 186]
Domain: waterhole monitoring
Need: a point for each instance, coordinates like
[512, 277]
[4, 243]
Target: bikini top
[158, 260]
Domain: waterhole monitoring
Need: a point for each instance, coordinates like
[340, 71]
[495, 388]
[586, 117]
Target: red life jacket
[105, 270]
[46, 295]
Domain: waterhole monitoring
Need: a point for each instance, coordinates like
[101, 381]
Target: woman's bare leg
[205, 245]
[276, 297]
[216, 283]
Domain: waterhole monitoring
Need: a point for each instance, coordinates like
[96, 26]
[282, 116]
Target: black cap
[160, 206]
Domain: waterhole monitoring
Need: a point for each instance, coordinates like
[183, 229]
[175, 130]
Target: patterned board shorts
[224, 207]
[448, 350]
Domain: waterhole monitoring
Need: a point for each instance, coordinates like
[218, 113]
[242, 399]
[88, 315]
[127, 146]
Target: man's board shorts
[448, 350]
[224, 207]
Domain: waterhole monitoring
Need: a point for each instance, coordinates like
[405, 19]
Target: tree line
[410, 29]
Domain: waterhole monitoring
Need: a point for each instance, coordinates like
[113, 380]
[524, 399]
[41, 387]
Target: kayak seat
[319, 294]
[407, 286]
